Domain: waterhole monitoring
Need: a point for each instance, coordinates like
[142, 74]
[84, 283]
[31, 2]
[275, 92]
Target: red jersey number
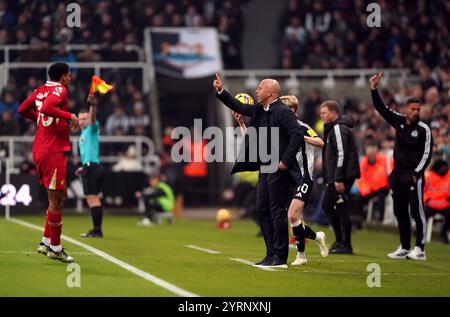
[46, 120]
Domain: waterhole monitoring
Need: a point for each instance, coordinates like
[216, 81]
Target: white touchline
[365, 273]
[34, 252]
[252, 264]
[201, 249]
[155, 280]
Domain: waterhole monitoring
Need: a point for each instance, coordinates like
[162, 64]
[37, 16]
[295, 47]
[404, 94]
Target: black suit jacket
[290, 134]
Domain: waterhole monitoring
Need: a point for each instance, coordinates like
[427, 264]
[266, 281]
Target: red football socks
[55, 226]
[47, 227]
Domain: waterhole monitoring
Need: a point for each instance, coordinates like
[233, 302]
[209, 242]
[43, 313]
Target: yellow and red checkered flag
[99, 85]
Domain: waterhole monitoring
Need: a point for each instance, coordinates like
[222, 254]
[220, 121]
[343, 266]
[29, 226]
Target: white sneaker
[145, 222]
[417, 254]
[320, 239]
[300, 260]
[399, 254]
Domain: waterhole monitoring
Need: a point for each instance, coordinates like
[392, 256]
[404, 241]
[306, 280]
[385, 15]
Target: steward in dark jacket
[340, 153]
[340, 169]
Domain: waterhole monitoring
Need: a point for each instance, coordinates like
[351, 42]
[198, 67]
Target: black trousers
[151, 206]
[274, 193]
[408, 196]
[337, 209]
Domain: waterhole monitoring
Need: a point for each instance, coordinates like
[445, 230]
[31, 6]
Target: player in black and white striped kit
[305, 160]
[412, 155]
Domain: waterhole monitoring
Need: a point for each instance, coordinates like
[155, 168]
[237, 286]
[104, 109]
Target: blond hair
[290, 100]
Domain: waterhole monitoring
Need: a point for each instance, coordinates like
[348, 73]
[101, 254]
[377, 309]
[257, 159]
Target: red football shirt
[48, 106]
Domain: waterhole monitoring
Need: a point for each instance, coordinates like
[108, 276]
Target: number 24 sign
[12, 196]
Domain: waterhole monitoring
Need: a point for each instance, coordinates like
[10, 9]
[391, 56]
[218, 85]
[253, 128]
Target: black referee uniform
[412, 154]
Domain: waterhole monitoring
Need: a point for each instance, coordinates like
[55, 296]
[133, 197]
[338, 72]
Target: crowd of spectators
[111, 24]
[335, 34]
[371, 128]
[114, 24]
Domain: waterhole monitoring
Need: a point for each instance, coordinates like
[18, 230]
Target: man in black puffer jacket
[340, 169]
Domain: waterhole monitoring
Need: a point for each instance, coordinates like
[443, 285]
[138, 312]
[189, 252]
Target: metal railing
[149, 160]
[97, 66]
[140, 143]
[352, 72]
[71, 47]
[328, 77]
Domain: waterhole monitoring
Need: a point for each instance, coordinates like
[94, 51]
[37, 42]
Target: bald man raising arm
[274, 190]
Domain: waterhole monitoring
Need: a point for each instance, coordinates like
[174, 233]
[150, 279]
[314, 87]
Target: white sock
[301, 255]
[46, 241]
[56, 248]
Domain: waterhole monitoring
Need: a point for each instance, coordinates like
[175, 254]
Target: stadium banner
[184, 52]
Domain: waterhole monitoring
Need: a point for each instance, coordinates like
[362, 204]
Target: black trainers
[92, 234]
[275, 262]
[60, 256]
[335, 246]
[343, 250]
[263, 261]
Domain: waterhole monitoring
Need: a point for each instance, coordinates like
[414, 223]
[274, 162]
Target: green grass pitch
[161, 251]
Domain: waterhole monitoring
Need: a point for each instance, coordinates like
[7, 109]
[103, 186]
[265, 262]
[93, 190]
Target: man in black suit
[274, 190]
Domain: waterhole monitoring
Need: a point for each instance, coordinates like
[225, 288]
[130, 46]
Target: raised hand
[91, 100]
[217, 83]
[375, 80]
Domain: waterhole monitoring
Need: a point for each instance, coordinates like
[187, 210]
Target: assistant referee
[91, 171]
[412, 154]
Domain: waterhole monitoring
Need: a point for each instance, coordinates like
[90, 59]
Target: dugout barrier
[21, 193]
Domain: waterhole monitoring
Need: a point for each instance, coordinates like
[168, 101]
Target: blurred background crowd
[327, 34]
[113, 25]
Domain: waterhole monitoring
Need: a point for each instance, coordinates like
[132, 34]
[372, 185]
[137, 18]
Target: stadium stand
[341, 39]
[116, 24]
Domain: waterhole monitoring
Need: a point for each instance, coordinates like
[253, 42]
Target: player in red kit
[48, 107]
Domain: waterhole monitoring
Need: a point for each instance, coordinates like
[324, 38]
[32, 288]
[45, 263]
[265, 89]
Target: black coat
[290, 135]
[340, 155]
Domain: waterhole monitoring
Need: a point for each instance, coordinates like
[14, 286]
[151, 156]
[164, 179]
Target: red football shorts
[52, 169]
